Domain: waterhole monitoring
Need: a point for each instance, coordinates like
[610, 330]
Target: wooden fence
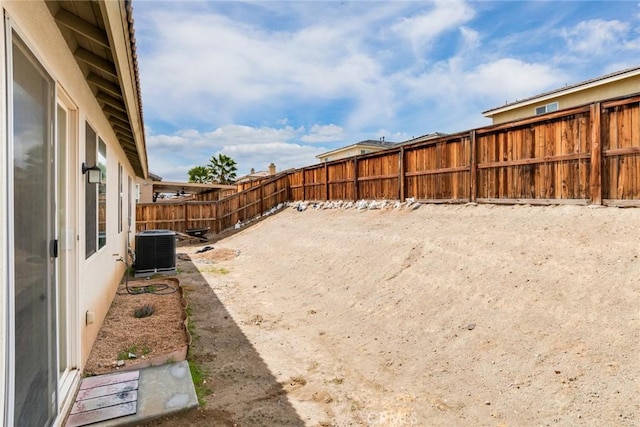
[217, 215]
[583, 155]
[588, 154]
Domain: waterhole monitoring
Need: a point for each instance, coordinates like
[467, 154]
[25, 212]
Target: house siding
[609, 90]
[99, 275]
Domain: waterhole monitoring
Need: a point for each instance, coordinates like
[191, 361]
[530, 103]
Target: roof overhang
[554, 94]
[372, 145]
[101, 37]
[188, 187]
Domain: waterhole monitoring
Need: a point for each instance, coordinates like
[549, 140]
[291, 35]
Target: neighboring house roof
[155, 177]
[369, 143]
[251, 176]
[101, 36]
[421, 138]
[598, 81]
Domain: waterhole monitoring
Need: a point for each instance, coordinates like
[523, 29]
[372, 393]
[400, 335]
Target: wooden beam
[369, 178]
[355, 178]
[595, 184]
[621, 203]
[535, 160]
[532, 120]
[126, 137]
[117, 127]
[119, 122]
[82, 27]
[116, 103]
[104, 84]
[619, 102]
[113, 112]
[439, 171]
[401, 174]
[541, 202]
[95, 61]
[621, 151]
[473, 161]
[326, 181]
[304, 190]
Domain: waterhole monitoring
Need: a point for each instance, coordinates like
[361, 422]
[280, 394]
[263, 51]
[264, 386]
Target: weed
[216, 270]
[132, 352]
[144, 311]
[198, 376]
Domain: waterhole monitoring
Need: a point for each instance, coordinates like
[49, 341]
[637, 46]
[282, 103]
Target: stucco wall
[611, 90]
[98, 276]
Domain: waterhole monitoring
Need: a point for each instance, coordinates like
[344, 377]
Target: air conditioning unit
[155, 252]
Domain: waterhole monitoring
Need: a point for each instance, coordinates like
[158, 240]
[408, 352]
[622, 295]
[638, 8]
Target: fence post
[261, 198]
[355, 178]
[595, 185]
[473, 190]
[215, 216]
[401, 177]
[186, 216]
[304, 192]
[326, 181]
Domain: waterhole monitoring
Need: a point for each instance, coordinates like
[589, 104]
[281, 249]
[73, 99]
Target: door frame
[71, 377]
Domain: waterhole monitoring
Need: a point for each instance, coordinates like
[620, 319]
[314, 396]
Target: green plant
[198, 376]
[131, 352]
[144, 311]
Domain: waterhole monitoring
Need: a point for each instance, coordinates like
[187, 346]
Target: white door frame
[68, 242]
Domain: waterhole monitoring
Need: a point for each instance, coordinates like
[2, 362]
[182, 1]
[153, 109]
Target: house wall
[146, 190]
[352, 151]
[98, 276]
[623, 87]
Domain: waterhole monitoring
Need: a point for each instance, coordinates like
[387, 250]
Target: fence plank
[596, 158]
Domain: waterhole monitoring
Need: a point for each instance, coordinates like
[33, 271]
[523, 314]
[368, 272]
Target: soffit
[92, 42]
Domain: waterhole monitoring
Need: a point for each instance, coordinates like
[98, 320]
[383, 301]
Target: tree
[222, 169]
[199, 174]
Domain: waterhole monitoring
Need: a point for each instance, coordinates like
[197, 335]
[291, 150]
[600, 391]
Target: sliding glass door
[34, 245]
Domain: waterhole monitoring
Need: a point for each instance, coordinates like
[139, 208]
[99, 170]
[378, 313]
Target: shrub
[144, 311]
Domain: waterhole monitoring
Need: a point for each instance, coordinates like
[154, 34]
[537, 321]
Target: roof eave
[559, 92]
[118, 23]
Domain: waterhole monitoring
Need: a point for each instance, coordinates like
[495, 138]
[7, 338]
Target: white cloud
[324, 133]
[172, 156]
[422, 29]
[272, 81]
[597, 36]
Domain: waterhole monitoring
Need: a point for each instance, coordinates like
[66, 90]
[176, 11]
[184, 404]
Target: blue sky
[283, 81]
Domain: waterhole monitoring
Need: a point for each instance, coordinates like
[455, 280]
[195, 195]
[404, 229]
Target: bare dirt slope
[446, 315]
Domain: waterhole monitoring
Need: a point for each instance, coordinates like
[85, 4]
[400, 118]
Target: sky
[284, 81]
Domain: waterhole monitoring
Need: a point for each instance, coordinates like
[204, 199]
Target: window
[363, 151]
[102, 194]
[547, 108]
[121, 195]
[137, 193]
[130, 210]
[95, 195]
[91, 195]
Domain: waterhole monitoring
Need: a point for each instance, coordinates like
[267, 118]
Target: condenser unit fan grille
[155, 252]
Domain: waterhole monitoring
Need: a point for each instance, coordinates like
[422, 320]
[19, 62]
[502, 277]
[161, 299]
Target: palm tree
[222, 169]
[199, 174]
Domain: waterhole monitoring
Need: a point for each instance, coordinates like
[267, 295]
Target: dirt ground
[445, 315]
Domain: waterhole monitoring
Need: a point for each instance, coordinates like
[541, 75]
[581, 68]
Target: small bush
[144, 311]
